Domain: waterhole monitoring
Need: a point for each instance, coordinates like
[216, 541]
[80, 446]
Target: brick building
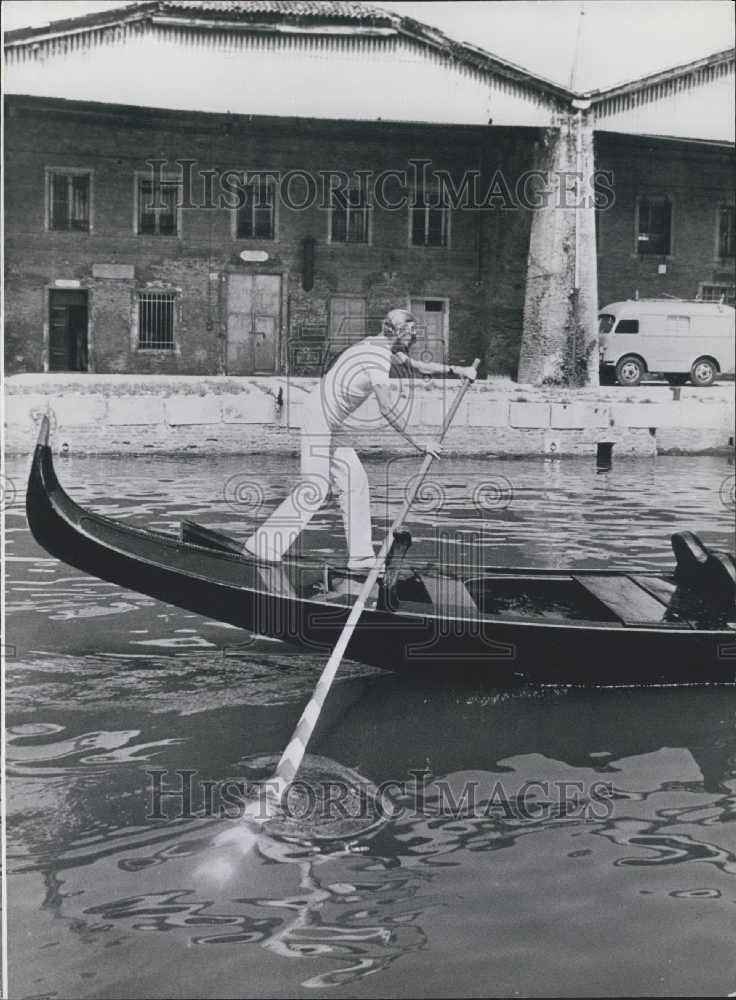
[115, 263]
[168, 291]
[672, 228]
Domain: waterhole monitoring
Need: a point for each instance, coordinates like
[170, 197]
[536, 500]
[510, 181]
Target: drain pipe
[578, 192]
[578, 106]
[578, 141]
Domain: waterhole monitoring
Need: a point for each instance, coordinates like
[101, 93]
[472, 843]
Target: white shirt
[352, 379]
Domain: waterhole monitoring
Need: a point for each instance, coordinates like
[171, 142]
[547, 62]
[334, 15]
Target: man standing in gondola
[361, 371]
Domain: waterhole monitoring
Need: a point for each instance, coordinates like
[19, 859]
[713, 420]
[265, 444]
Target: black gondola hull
[439, 637]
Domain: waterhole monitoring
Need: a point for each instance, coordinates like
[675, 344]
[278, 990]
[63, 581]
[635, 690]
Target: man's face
[405, 337]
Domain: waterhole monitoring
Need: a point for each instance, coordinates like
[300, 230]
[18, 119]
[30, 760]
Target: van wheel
[630, 370]
[703, 372]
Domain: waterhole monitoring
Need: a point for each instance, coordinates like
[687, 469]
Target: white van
[678, 338]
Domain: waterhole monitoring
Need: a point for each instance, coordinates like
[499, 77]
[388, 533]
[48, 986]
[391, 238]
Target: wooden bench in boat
[631, 602]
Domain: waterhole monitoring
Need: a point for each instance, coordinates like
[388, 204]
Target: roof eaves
[462, 52]
[305, 26]
[87, 22]
[471, 55]
[227, 15]
[493, 62]
[716, 58]
[296, 11]
[614, 135]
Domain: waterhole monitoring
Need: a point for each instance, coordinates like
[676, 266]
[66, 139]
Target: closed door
[347, 318]
[253, 320]
[432, 327]
[68, 331]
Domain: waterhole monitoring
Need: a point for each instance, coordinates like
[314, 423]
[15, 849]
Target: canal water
[534, 842]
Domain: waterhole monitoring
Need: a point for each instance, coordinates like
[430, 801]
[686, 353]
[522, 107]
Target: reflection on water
[332, 913]
[540, 841]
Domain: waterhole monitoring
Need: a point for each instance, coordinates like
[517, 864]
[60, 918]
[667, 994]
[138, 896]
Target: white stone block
[116, 271]
[431, 411]
[26, 408]
[484, 412]
[182, 410]
[135, 410]
[252, 407]
[79, 411]
[529, 414]
[680, 414]
[574, 416]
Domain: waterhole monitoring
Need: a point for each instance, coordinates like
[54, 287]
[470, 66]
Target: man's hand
[469, 373]
[433, 448]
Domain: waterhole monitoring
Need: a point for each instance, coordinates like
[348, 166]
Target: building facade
[228, 230]
[109, 272]
[671, 230]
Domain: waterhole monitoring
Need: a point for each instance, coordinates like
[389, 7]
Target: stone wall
[221, 415]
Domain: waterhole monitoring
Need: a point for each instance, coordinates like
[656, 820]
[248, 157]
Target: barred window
[156, 313]
[430, 220]
[157, 207]
[654, 226]
[727, 231]
[714, 293]
[349, 215]
[69, 201]
[256, 217]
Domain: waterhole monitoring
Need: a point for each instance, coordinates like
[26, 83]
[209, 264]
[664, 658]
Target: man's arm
[434, 368]
[383, 395]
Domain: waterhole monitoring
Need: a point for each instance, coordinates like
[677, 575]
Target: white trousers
[323, 468]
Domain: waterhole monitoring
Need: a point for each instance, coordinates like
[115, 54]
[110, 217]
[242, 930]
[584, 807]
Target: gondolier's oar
[292, 757]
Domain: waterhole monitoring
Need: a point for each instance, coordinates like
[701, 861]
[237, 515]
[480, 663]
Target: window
[714, 293]
[156, 312]
[654, 226]
[606, 322]
[727, 231]
[429, 220]
[627, 326]
[349, 216]
[68, 200]
[256, 217]
[158, 207]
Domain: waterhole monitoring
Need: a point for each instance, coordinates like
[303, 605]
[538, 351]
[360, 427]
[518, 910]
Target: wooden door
[253, 322]
[347, 319]
[432, 329]
[68, 331]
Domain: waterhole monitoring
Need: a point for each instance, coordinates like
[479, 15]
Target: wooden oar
[292, 757]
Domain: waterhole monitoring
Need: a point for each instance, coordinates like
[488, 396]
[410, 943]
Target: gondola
[540, 625]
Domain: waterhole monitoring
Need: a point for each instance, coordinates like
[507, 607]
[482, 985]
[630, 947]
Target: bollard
[604, 456]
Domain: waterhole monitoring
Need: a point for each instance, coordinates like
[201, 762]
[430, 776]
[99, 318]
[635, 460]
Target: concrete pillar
[560, 337]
